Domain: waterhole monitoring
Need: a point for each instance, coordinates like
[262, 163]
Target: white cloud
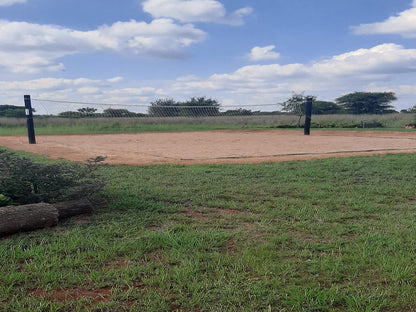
[386, 67]
[10, 2]
[115, 79]
[403, 24]
[195, 11]
[263, 54]
[32, 48]
[356, 70]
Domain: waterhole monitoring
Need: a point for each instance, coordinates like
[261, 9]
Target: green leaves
[24, 181]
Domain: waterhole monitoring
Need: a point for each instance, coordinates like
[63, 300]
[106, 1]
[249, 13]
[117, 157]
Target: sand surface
[213, 147]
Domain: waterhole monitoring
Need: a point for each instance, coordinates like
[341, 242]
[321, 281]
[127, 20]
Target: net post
[29, 119]
[308, 115]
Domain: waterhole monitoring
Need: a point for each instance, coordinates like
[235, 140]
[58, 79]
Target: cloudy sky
[240, 52]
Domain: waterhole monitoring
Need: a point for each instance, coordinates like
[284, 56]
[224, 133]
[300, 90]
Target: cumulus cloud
[342, 73]
[263, 54]
[403, 24]
[33, 48]
[383, 67]
[10, 2]
[195, 11]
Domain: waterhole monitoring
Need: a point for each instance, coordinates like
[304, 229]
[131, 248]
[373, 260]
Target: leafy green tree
[367, 102]
[201, 106]
[70, 114]
[238, 112]
[12, 111]
[164, 108]
[326, 108]
[23, 181]
[117, 112]
[87, 111]
[295, 105]
[194, 107]
[411, 110]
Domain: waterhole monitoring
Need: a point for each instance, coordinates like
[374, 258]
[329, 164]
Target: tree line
[352, 103]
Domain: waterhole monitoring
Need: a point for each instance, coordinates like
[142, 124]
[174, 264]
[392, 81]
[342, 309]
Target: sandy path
[209, 147]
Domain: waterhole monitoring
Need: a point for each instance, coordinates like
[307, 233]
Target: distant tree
[117, 112]
[411, 110]
[326, 108]
[70, 114]
[295, 105]
[164, 108]
[367, 102]
[12, 111]
[87, 111]
[201, 106]
[238, 112]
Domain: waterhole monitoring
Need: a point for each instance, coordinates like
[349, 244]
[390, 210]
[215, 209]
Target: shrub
[4, 200]
[25, 181]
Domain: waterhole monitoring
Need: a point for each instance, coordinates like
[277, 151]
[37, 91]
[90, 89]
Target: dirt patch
[65, 295]
[214, 147]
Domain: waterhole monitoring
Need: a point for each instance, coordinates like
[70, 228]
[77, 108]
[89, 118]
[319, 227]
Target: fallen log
[73, 208]
[24, 218]
[14, 219]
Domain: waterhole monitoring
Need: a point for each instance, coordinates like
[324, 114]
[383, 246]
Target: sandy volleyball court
[212, 147]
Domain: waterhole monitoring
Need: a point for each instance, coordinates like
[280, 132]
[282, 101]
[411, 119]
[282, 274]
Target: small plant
[4, 200]
[25, 181]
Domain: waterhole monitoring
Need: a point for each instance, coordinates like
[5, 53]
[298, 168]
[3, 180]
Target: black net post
[308, 115]
[29, 118]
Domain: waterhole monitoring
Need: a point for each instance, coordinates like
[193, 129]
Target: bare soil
[214, 147]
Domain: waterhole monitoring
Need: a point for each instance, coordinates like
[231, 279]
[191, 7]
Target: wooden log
[73, 208]
[23, 218]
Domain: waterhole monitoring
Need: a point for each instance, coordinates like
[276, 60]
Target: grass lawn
[321, 235]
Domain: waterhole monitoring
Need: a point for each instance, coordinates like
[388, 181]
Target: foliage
[4, 200]
[195, 107]
[25, 181]
[326, 108]
[87, 111]
[296, 105]
[237, 112]
[367, 102]
[411, 110]
[12, 111]
[117, 112]
[201, 106]
[164, 107]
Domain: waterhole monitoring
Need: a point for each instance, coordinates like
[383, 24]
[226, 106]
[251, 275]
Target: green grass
[321, 235]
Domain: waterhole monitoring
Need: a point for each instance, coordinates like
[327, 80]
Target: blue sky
[240, 52]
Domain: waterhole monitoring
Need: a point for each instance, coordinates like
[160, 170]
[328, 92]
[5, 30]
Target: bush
[25, 181]
[4, 200]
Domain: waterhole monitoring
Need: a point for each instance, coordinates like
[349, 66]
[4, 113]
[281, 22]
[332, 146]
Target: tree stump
[23, 218]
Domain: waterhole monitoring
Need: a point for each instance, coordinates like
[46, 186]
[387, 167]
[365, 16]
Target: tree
[326, 108]
[164, 108]
[118, 112]
[367, 102]
[194, 107]
[12, 111]
[87, 111]
[411, 110]
[296, 105]
[200, 107]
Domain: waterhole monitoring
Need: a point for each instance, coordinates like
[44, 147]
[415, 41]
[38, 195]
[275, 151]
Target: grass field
[55, 125]
[323, 235]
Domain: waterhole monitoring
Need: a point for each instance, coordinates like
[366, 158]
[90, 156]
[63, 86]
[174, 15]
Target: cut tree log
[73, 208]
[24, 218]
[14, 219]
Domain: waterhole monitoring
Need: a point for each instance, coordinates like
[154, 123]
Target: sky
[239, 52]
